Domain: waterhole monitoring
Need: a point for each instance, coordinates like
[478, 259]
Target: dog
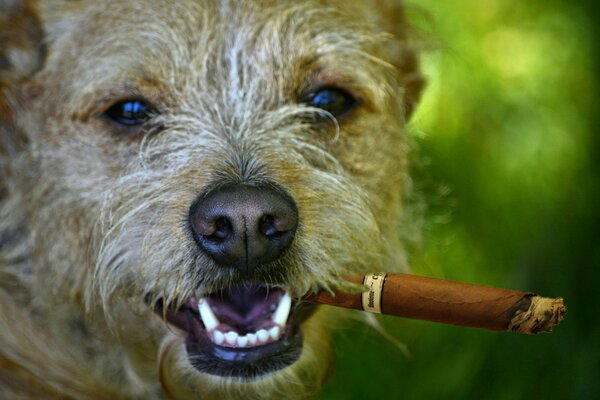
[176, 176]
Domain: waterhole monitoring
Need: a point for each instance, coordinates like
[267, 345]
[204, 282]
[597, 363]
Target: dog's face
[193, 168]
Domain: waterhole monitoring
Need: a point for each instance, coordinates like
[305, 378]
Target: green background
[507, 138]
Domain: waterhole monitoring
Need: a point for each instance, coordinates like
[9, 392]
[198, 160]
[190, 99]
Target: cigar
[449, 302]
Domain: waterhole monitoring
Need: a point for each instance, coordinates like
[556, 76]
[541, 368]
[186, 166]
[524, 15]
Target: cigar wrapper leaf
[450, 302]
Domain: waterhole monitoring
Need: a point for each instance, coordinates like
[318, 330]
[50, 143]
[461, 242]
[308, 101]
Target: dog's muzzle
[249, 329]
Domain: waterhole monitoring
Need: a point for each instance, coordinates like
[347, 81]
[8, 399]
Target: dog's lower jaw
[301, 380]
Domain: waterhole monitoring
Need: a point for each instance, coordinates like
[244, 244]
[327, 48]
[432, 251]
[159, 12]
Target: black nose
[244, 226]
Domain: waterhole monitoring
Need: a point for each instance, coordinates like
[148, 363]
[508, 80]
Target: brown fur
[91, 214]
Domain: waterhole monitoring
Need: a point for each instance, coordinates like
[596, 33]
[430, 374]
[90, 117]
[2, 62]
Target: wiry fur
[94, 217]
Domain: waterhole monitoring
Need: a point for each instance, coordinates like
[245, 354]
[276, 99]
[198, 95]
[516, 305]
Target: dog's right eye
[130, 113]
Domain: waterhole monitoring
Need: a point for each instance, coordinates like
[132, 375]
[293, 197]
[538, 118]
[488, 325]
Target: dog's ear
[21, 49]
[404, 49]
[21, 54]
[21, 40]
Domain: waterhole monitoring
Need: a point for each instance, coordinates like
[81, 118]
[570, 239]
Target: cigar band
[371, 300]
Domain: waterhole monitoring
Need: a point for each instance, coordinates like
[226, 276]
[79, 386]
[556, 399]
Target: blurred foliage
[508, 137]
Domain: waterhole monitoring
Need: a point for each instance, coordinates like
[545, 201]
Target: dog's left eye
[336, 101]
[130, 112]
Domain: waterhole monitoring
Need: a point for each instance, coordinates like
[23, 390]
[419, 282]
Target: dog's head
[208, 163]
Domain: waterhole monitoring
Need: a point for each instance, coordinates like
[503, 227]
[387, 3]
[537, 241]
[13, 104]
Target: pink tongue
[246, 309]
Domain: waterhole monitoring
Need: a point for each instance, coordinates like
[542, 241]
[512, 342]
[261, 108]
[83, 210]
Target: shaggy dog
[176, 176]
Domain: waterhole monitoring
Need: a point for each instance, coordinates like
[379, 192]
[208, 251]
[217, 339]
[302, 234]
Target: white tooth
[274, 333]
[242, 341]
[209, 319]
[219, 338]
[263, 336]
[252, 339]
[231, 337]
[280, 315]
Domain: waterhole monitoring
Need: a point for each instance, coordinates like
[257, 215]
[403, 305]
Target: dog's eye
[336, 101]
[130, 112]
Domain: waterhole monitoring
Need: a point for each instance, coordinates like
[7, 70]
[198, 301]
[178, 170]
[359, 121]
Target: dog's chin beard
[243, 332]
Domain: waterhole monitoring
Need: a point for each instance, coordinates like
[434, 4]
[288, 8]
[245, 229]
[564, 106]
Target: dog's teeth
[280, 315]
[252, 339]
[263, 336]
[242, 341]
[274, 333]
[209, 319]
[234, 339]
[219, 337]
[231, 337]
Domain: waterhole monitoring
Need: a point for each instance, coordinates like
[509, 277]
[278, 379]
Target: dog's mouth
[245, 331]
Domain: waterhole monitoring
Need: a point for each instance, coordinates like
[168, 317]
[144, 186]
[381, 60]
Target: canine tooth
[219, 338]
[231, 337]
[262, 335]
[274, 333]
[209, 319]
[280, 315]
[242, 341]
[252, 339]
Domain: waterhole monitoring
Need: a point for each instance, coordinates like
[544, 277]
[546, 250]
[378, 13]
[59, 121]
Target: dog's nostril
[222, 230]
[204, 227]
[212, 228]
[272, 226]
